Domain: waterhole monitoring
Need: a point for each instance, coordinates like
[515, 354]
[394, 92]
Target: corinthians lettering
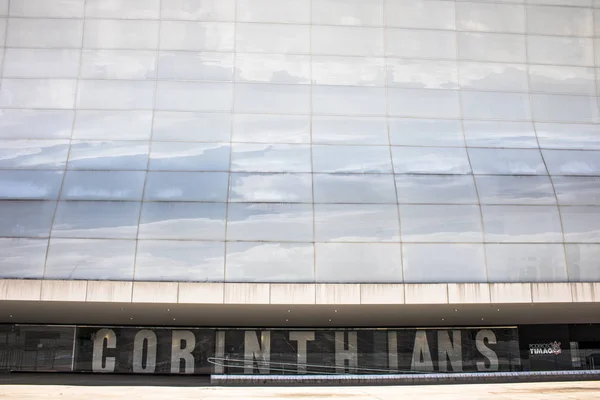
[204, 351]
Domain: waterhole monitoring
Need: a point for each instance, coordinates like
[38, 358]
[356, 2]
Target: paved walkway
[518, 391]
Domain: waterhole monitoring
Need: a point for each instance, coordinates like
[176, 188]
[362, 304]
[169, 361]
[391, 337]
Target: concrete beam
[300, 294]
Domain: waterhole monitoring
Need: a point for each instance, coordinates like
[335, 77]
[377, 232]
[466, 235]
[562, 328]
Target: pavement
[513, 391]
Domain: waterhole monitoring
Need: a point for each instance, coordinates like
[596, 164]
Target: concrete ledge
[585, 292]
[468, 293]
[20, 289]
[510, 293]
[404, 379]
[247, 293]
[426, 293]
[109, 291]
[551, 293]
[201, 293]
[297, 294]
[382, 293]
[64, 290]
[343, 293]
[155, 292]
[293, 294]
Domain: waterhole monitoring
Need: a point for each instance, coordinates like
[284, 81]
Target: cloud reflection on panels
[298, 141]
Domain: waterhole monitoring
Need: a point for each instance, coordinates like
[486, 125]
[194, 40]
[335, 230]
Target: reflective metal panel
[509, 262]
[343, 70]
[348, 41]
[26, 218]
[182, 220]
[118, 64]
[265, 128]
[582, 261]
[351, 159]
[169, 260]
[490, 17]
[182, 156]
[426, 132]
[349, 130]
[358, 262]
[442, 189]
[287, 222]
[581, 224]
[440, 223]
[112, 125]
[191, 127]
[114, 155]
[434, 263]
[263, 187]
[430, 160]
[493, 76]
[185, 65]
[96, 219]
[568, 136]
[22, 258]
[350, 188]
[423, 74]
[571, 162]
[493, 47]
[103, 185]
[512, 189]
[285, 11]
[420, 43]
[507, 161]
[348, 12]
[269, 262]
[33, 154]
[348, 100]
[356, 223]
[496, 105]
[29, 185]
[196, 36]
[522, 224]
[500, 134]
[91, 259]
[186, 186]
[420, 14]
[270, 158]
[41, 63]
[272, 68]
[36, 124]
[577, 190]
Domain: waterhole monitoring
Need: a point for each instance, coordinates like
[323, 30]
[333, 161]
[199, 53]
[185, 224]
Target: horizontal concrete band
[405, 379]
[307, 294]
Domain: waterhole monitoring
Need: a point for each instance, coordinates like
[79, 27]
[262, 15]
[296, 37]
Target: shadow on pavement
[82, 379]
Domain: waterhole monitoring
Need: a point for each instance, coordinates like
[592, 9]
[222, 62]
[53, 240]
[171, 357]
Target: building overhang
[296, 305]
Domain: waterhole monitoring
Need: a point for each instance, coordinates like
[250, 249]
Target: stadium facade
[299, 186]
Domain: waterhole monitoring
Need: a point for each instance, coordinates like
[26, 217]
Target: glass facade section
[300, 141]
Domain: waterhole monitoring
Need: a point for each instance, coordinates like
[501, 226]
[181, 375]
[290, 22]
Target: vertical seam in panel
[68, 156]
[231, 125]
[462, 128]
[5, 41]
[387, 129]
[529, 95]
[595, 55]
[157, 54]
[310, 127]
